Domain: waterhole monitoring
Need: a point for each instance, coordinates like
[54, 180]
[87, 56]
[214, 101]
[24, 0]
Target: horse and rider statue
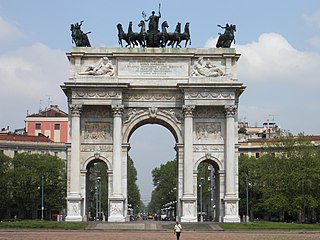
[153, 37]
[225, 39]
[79, 38]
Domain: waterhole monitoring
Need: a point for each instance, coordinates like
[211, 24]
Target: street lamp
[42, 196]
[98, 197]
[201, 216]
[247, 193]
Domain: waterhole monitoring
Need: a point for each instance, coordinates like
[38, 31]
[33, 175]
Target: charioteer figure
[153, 39]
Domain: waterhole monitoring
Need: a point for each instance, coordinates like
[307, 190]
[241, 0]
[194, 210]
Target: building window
[38, 125]
[29, 152]
[56, 126]
[2, 151]
[15, 152]
[56, 154]
[257, 155]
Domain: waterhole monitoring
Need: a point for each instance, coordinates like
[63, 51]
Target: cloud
[313, 19]
[29, 75]
[280, 80]
[32, 71]
[8, 31]
[273, 59]
[315, 42]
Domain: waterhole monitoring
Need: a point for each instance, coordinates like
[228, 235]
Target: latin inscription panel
[153, 67]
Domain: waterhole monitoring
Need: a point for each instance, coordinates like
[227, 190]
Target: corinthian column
[117, 149]
[230, 112]
[231, 199]
[188, 200]
[117, 211]
[74, 197]
[188, 150]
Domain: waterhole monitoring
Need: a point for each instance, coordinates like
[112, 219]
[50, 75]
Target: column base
[117, 208]
[189, 219]
[74, 208]
[73, 219]
[189, 209]
[231, 206]
[231, 219]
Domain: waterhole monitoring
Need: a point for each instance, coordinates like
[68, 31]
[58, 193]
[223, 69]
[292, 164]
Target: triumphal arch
[193, 92]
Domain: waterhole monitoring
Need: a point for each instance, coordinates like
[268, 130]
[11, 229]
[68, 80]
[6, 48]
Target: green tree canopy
[284, 182]
[164, 182]
[134, 197]
[25, 181]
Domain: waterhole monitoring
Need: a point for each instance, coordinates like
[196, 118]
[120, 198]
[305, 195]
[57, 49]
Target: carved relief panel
[97, 131]
[96, 125]
[208, 132]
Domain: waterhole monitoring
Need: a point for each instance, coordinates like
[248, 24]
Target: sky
[279, 43]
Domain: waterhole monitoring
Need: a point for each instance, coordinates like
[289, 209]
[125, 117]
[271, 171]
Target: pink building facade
[52, 122]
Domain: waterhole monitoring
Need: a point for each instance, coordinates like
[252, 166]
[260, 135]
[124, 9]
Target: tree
[134, 197]
[248, 180]
[165, 182]
[24, 183]
[285, 180]
[5, 193]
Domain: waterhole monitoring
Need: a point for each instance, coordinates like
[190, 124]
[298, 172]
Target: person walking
[177, 229]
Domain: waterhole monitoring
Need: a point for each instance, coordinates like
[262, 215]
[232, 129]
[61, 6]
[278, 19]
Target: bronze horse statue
[225, 39]
[165, 38]
[143, 34]
[173, 37]
[185, 36]
[132, 38]
[122, 36]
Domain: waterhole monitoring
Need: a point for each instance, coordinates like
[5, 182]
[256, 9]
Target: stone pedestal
[74, 206]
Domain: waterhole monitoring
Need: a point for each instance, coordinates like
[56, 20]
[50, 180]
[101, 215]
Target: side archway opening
[208, 190]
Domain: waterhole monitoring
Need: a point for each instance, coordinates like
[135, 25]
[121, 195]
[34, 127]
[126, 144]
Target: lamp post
[42, 192]
[247, 197]
[201, 216]
[98, 205]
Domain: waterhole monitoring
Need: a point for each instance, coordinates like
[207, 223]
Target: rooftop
[24, 138]
[52, 111]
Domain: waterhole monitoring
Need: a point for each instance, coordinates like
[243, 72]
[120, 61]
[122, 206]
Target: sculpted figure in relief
[103, 67]
[96, 131]
[206, 68]
[208, 131]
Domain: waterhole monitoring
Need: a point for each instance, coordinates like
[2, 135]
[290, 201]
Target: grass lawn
[268, 226]
[43, 224]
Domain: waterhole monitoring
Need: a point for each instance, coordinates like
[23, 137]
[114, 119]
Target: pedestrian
[177, 229]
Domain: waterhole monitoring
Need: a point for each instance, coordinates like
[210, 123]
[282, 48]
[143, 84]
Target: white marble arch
[157, 86]
[211, 159]
[96, 158]
[160, 119]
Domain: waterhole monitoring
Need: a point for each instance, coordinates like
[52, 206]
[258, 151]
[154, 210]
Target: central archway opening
[152, 146]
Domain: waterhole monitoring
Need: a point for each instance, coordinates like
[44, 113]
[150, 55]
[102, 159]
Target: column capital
[117, 110]
[76, 109]
[188, 110]
[230, 111]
